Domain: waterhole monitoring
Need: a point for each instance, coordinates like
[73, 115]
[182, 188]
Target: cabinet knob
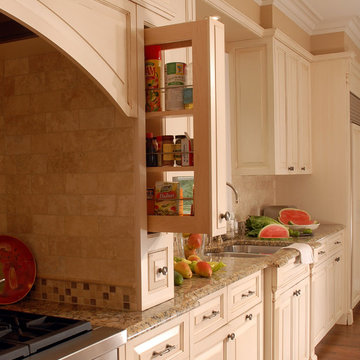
[337, 259]
[167, 349]
[296, 292]
[213, 314]
[337, 242]
[249, 317]
[303, 168]
[231, 336]
[163, 270]
[321, 252]
[291, 168]
[225, 216]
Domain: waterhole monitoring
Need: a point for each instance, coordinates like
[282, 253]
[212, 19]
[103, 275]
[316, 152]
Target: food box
[168, 198]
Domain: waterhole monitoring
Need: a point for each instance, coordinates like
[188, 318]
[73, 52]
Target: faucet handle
[225, 216]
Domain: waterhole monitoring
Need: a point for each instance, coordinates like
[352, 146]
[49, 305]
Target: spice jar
[151, 148]
[153, 77]
[159, 151]
[168, 150]
[177, 149]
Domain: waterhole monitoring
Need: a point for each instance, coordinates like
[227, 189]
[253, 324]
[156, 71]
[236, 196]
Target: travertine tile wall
[255, 192]
[66, 172]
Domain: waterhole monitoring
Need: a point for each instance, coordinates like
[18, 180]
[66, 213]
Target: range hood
[99, 36]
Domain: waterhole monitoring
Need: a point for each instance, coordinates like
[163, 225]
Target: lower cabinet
[327, 296]
[287, 312]
[291, 326]
[246, 337]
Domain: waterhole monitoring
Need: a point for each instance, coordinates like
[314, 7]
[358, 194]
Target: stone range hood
[100, 36]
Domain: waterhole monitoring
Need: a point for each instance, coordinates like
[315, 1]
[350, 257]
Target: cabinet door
[330, 273]
[247, 331]
[280, 109]
[213, 347]
[339, 284]
[301, 320]
[304, 118]
[319, 304]
[291, 98]
[292, 323]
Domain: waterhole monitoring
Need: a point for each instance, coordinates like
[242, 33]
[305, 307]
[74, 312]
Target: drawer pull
[303, 168]
[249, 293]
[291, 168]
[337, 242]
[213, 314]
[163, 270]
[167, 349]
[297, 293]
[337, 259]
[231, 336]
[249, 317]
[321, 252]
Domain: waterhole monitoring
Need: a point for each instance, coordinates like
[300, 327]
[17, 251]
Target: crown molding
[353, 30]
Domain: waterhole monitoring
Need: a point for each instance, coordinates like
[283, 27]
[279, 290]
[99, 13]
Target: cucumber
[178, 278]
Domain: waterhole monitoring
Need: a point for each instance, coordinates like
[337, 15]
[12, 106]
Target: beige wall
[272, 17]
[66, 164]
[328, 43]
[248, 7]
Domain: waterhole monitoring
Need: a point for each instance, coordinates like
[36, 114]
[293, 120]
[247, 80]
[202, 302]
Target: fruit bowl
[303, 227]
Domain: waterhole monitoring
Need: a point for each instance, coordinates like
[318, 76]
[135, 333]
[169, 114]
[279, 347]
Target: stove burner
[23, 334]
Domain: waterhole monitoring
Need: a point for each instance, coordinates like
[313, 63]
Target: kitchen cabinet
[327, 288]
[206, 41]
[168, 341]
[241, 335]
[287, 312]
[270, 110]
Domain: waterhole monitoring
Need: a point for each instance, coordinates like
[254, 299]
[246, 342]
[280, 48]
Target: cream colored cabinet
[327, 288]
[246, 337]
[287, 312]
[168, 341]
[205, 39]
[291, 323]
[241, 335]
[270, 111]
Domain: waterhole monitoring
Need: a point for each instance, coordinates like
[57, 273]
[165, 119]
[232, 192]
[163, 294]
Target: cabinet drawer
[169, 341]
[209, 316]
[334, 242]
[289, 274]
[320, 254]
[244, 294]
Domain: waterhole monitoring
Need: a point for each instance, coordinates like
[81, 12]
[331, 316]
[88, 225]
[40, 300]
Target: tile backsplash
[67, 177]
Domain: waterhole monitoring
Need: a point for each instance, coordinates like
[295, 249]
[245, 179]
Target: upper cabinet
[270, 111]
[205, 40]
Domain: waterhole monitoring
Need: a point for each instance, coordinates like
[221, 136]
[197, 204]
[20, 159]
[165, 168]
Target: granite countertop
[186, 296]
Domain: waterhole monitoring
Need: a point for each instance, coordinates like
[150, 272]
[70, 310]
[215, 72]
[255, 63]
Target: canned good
[177, 149]
[174, 82]
[168, 150]
[152, 77]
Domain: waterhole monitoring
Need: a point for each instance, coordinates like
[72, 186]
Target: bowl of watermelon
[297, 219]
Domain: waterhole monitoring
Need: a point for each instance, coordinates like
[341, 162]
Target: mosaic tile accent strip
[84, 293]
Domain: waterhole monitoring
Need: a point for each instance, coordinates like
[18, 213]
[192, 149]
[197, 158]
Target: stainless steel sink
[249, 251]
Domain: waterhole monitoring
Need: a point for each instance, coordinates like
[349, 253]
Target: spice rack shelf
[206, 39]
[162, 169]
[172, 113]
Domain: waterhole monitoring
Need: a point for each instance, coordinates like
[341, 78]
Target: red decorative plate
[17, 270]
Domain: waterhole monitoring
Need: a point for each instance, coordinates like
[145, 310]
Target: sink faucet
[235, 192]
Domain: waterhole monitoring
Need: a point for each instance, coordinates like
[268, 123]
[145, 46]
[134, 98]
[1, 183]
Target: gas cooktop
[23, 334]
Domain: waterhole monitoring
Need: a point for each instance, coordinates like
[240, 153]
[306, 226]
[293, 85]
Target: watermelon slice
[291, 216]
[274, 231]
